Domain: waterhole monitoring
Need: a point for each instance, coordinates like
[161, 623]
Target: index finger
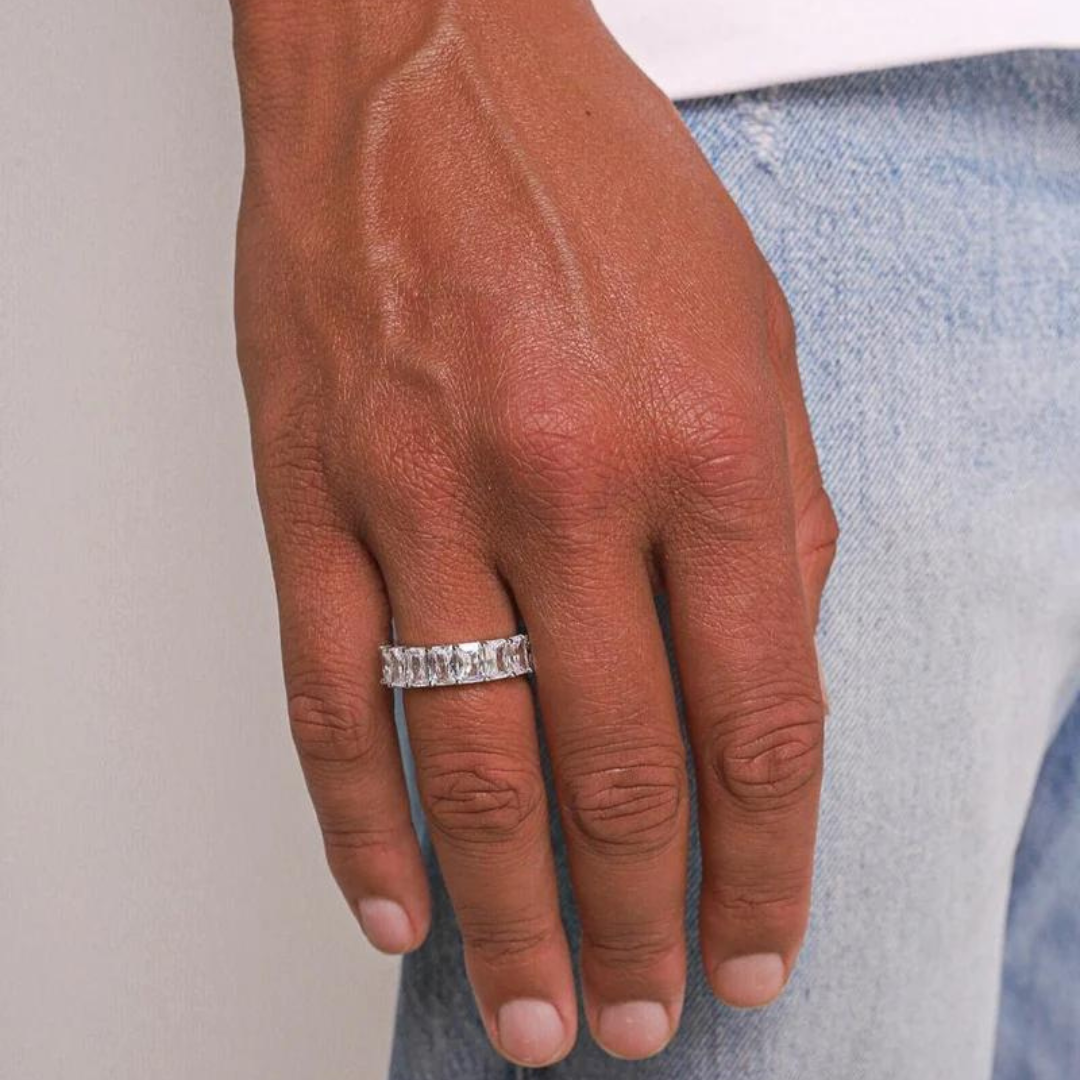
[748, 666]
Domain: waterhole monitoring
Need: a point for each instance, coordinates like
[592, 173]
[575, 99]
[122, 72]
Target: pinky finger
[333, 618]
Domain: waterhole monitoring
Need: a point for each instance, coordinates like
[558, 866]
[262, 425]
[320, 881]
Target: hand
[509, 348]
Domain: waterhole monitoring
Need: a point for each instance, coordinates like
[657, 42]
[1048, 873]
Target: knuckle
[633, 946]
[628, 809]
[348, 847]
[781, 324]
[732, 450]
[772, 760]
[818, 530]
[284, 447]
[503, 937]
[538, 424]
[400, 456]
[776, 899]
[290, 469]
[296, 489]
[549, 443]
[506, 939]
[480, 800]
[286, 425]
[330, 728]
[345, 843]
[415, 493]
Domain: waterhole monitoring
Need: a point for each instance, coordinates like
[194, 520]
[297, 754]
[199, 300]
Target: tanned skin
[510, 352]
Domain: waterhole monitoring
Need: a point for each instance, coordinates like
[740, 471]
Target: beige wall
[164, 907]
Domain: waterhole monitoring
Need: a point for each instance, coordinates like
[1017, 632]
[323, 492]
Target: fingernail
[530, 1032]
[386, 925]
[633, 1029]
[749, 982]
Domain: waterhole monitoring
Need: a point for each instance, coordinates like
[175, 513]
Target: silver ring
[410, 667]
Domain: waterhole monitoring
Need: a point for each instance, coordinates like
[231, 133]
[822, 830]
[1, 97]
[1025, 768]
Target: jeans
[1039, 1022]
[925, 225]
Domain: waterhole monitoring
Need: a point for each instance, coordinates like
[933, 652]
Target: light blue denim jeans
[925, 224]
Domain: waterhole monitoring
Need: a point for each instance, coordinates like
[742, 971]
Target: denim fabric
[925, 224]
[1039, 1023]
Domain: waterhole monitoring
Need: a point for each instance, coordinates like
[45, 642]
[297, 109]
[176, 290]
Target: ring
[409, 667]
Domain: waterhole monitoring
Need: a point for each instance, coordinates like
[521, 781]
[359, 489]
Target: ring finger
[480, 781]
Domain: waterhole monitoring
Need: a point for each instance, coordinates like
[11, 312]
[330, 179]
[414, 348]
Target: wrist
[370, 30]
[306, 66]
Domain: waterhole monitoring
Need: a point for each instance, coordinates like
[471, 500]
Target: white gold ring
[410, 667]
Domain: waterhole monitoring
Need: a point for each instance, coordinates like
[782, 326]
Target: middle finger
[609, 716]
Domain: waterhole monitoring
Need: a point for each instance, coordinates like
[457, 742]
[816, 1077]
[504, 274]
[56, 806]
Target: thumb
[816, 527]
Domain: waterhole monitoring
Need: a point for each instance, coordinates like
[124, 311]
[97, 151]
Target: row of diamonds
[413, 666]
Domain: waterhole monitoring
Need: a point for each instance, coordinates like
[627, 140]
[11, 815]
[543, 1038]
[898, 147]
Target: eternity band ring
[410, 667]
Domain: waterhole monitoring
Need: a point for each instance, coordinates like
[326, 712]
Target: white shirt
[693, 48]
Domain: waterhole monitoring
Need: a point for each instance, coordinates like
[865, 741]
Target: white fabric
[693, 48]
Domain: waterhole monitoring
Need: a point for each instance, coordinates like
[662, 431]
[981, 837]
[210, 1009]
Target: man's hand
[510, 350]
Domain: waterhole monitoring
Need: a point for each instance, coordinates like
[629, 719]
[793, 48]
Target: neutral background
[164, 906]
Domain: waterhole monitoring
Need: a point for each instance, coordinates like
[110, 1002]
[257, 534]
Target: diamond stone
[489, 659]
[416, 667]
[396, 666]
[467, 663]
[502, 665]
[517, 655]
[440, 665]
